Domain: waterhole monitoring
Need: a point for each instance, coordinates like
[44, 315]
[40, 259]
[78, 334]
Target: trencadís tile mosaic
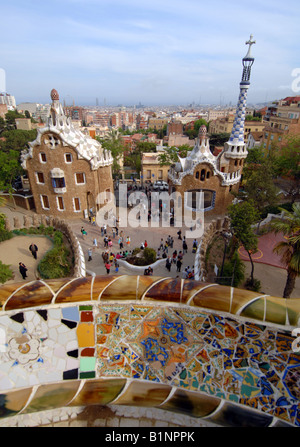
[161, 347]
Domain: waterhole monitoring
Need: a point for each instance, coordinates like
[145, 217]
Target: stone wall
[215, 227]
[36, 220]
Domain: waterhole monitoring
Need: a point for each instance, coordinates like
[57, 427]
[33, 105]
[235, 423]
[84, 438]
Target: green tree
[10, 168]
[259, 185]
[16, 139]
[243, 215]
[115, 145]
[287, 164]
[218, 139]
[289, 249]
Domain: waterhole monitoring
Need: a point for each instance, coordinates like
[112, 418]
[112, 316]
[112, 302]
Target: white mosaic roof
[61, 126]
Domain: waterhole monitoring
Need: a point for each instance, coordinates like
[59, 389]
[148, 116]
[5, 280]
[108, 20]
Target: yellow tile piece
[85, 335]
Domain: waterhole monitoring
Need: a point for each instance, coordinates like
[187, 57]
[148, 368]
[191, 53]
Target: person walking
[105, 240]
[33, 248]
[179, 264]
[179, 234]
[184, 245]
[90, 254]
[95, 243]
[23, 270]
[83, 232]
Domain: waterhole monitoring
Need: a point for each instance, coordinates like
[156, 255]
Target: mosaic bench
[218, 353]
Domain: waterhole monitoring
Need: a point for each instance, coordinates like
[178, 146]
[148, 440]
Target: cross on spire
[250, 42]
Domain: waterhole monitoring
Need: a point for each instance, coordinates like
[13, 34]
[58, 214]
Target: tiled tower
[235, 147]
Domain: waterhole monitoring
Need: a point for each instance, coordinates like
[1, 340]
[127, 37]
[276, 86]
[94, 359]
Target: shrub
[233, 267]
[55, 263]
[254, 286]
[149, 255]
[5, 235]
[5, 273]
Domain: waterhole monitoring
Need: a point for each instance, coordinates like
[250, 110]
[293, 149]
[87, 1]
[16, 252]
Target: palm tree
[289, 249]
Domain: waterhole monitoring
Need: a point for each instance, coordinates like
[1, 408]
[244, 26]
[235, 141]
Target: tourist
[184, 245]
[185, 274]
[110, 243]
[104, 228]
[83, 232]
[102, 231]
[23, 270]
[174, 256]
[90, 254]
[168, 264]
[195, 244]
[105, 240]
[146, 244]
[107, 266]
[179, 234]
[128, 240]
[95, 243]
[33, 248]
[161, 244]
[93, 220]
[120, 242]
[179, 264]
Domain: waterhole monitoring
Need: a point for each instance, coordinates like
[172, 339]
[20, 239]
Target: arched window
[197, 175]
[202, 178]
[207, 174]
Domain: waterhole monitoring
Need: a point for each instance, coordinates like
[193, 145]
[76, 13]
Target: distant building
[3, 110]
[225, 125]
[284, 121]
[151, 168]
[254, 139]
[66, 169]
[23, 123]
[9, 100]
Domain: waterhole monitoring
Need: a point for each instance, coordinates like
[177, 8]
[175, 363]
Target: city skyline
[160, 53]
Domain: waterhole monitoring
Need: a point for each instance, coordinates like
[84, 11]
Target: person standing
[168, 263]
[33, 248]
[23, 270]
[107, 266]
[90, 254]
[179, 264]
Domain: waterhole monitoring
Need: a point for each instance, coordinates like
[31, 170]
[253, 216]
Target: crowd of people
[117, 245]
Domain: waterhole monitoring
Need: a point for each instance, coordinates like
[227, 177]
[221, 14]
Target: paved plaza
[12, 252]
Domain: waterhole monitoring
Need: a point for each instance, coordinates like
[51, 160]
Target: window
[148, 173]
[43, 157]
[60, 203]
[76, 203]
[160, 174]
[58, 182]
[202, 178]
[207, 174]
[197, 175]
[45, 202]
[40, 177]
[68, 158]
[80, 178]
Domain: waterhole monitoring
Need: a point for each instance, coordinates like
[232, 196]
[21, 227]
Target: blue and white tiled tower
[235, 147]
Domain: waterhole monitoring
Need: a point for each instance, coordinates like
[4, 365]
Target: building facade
[283, 122]
[66, 169]
[214, 176]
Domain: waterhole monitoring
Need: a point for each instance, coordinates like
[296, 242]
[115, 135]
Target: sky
[156, 52]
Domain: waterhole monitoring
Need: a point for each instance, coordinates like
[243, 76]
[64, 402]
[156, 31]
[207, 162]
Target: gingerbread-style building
[215, 176]
[66, 169]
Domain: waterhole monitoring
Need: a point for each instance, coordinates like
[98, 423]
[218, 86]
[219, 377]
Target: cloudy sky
[153, 52]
